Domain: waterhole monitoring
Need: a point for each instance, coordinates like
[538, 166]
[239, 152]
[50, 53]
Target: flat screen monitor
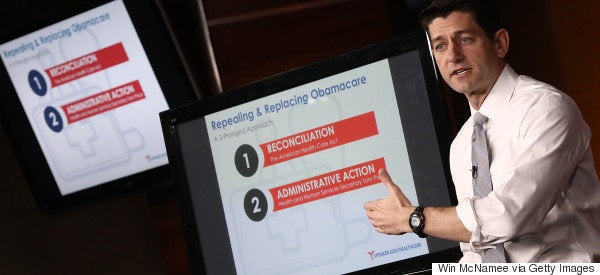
[81, 97]
[274, 175]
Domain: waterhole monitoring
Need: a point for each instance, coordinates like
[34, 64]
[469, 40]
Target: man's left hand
[389, 215]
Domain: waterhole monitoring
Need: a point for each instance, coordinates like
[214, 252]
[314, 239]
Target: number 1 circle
[246, 160]
[37, 83]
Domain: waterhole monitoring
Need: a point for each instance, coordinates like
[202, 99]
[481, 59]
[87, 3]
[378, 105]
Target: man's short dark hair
[483, 12]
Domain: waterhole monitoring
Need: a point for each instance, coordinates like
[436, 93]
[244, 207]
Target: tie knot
[479, 119]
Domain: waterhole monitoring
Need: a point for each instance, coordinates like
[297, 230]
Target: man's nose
[455, 53]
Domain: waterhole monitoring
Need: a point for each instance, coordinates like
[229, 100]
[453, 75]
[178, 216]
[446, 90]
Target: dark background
[238, 42]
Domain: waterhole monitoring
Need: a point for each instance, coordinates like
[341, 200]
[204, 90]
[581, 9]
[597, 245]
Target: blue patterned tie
[482, 180]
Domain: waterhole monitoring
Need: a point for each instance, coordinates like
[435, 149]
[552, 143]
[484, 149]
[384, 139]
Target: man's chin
[460, 89]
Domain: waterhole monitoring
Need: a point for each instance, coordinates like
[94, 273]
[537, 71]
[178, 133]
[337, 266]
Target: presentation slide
[91, 96]
[295, 168]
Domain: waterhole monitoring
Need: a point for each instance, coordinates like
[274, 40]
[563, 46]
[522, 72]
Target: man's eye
[465, 40]
[440, 47]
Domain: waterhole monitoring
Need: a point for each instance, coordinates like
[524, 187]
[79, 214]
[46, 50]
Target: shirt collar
[497, 99]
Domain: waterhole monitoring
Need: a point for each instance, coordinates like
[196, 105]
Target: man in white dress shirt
[545, 203]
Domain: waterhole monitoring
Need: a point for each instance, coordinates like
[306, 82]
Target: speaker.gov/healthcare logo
[377, 254]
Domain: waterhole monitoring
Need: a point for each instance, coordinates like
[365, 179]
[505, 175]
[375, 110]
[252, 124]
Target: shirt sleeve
[552, 139]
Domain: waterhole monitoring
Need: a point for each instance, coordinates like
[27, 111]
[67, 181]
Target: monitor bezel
[415, 40]
[166, 63]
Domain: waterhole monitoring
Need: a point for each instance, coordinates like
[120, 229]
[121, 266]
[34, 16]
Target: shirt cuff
[466, 213]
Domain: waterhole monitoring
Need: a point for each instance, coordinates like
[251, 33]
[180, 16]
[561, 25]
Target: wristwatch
[416, 221]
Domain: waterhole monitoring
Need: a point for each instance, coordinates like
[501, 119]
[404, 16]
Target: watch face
[415, 221]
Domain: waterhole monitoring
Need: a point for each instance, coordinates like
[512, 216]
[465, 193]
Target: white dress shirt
[545, 206]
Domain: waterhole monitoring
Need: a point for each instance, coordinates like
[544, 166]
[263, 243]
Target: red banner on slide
[87, 64]
[327, 185]
[104, 101]
[320, 138]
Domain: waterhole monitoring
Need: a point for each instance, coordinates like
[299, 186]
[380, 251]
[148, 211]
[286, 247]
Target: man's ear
[501, 42]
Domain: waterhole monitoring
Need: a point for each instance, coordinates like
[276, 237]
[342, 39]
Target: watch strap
[418, 213]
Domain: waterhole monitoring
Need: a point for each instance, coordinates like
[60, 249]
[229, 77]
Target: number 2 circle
[53, 119]
[255, 205]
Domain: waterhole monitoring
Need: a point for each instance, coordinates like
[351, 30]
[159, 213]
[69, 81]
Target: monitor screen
[274, 175]
[81, 98]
